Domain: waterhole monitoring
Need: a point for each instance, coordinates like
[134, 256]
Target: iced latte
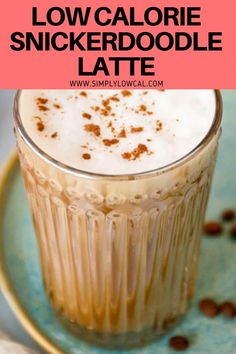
[118, 183]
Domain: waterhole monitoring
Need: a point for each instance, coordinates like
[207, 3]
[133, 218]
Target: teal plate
[21, 279]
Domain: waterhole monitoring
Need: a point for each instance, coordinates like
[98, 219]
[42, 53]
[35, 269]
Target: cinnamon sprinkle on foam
[130, 130]
[126, 93]
[56, 105]
[43, 108]
[54, 135]
[86, 115]
[110, 125]
[109, 142]
[122, 133]
[41, 100]
[136, 129]
[93, 128]
[40, 126]
[159, 125]
[86, 156]
[135, 154]
[95, 108]
[114, 98]
[142, 108]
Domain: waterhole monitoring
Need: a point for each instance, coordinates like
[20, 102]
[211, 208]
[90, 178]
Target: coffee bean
[213, 228]
[228, 215]
[208, 307]
[228, 309]
[233, 232]
[179, 343]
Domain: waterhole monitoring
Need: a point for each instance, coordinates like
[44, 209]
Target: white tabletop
[8, 322]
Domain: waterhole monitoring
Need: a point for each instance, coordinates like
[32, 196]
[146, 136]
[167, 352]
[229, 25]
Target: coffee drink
[118, 183]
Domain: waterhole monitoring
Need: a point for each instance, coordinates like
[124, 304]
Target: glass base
[121, 341]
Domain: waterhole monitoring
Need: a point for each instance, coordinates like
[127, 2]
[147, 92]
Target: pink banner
[153, 44]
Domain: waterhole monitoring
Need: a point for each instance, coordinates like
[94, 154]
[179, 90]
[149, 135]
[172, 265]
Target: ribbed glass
[119, 256]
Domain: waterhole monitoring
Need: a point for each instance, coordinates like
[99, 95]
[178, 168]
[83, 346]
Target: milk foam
[114, 131]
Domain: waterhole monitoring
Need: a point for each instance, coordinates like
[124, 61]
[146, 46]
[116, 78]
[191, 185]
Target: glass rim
[119, 177]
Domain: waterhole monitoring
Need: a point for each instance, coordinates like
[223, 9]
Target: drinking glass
[118, 253]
